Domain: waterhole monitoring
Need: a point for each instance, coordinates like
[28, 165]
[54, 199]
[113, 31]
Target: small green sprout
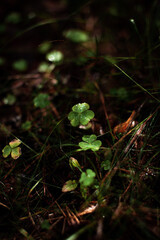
[13, 149]
[80, 115]
[70, 185]
[41, 100]
[90, 142]
[73, 163]
[87, 178]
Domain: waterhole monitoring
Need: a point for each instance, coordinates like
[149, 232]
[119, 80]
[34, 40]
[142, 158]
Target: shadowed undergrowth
[79, 120]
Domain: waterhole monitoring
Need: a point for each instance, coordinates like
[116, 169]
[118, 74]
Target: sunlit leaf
[89, 138]
[90, 142]
[86, 116]
[15, 143]
[6, 151]
[70, 185]
[80, 107]
[80, 115]
[55, 56]
[74, 119]
[16, 152]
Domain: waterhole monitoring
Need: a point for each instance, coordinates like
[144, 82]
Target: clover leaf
[13, 149]
[87, 178]
[90, 142]
[6, 151]
[41, 100]
[80, 114]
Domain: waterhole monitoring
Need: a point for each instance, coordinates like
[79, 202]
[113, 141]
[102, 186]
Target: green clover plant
[41, 100]
[90, 142]
[13, 149]
[80, 114]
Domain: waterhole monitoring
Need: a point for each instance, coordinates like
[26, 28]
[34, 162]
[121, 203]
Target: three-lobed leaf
[13, 149]
[14, 143]
[90, 142]
[80, 115]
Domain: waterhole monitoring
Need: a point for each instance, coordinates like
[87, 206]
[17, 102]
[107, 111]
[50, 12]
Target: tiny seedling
[13, 149]
[80, 115]
[90, 142]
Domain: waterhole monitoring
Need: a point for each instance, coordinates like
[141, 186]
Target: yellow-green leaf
[16, 152]
[15, 143]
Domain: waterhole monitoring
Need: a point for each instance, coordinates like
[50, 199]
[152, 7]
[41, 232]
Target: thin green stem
[138, 85]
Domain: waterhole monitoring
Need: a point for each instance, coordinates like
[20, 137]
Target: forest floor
[98, 54]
